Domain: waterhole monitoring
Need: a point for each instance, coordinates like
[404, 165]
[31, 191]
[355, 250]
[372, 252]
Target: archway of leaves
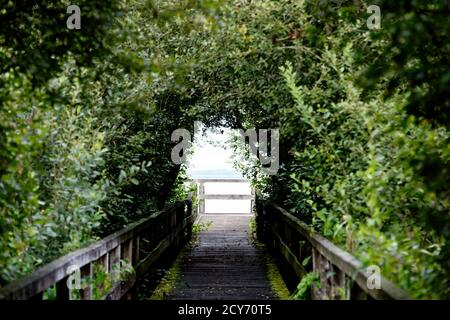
[86, 118]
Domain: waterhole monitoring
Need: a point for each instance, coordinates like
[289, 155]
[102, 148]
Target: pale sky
[209, 157]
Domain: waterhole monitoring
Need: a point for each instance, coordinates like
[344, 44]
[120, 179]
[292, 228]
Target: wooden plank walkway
[224, 264]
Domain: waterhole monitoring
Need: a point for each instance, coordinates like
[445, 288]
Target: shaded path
[223, 264]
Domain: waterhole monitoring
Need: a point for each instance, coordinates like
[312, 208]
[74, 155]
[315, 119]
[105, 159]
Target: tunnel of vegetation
[86, 118]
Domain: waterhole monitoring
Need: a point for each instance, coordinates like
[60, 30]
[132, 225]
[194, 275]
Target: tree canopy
[86, 118]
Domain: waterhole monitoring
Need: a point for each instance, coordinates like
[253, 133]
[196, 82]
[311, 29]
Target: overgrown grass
[199, 227]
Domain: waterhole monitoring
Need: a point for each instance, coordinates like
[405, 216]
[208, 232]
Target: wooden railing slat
[288, 255]
[220, 180]
[86, 275]
[161, 247]
[107, 251]
[225, 197]
[281, 224]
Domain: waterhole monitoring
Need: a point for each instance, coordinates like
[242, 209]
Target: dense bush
[363, 117]
[49, 148]
[364, 155]
[86, 119]
[374, 171]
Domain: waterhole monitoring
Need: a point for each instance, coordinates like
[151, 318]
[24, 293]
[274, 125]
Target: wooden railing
[139, 246]
[341, 275]
[201, 196]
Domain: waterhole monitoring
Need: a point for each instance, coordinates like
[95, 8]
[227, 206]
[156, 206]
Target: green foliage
[363, 178]
[182, 188]
[101, 282]
[35, 40]
[86, 118]
[363, 117]
[169, 281]
[418, 54]
[363, 156]
[303, 290]
[274, 275]
[252, 228]
[199, 227]
[50, 293]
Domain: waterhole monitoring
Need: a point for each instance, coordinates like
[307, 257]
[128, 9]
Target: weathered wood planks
[223, 264]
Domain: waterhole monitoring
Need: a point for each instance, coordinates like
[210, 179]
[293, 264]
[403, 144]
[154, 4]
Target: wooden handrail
[341, 274]
[201, 196]
[166, 230]
[206, 180]
[225, 196]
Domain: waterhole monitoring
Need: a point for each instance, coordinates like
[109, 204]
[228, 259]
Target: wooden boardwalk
[224, 264]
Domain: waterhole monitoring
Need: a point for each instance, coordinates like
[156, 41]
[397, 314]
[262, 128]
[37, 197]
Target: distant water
[215, 174]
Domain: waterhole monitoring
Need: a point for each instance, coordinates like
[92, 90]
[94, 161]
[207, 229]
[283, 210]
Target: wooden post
[322, 266]
[341, 285]
[287, 240]
[114, 263]
[172, 226]
[259, 220]
[252, 201]
[86, 275]
[135, 248]
[190, 224]
[136, 242]
[104, 262]
[126, 251]
[201, 201]
[315, 292]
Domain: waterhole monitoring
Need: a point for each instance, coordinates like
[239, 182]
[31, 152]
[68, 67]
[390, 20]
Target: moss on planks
[275, 278]
[169, 281]
[273, 273]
